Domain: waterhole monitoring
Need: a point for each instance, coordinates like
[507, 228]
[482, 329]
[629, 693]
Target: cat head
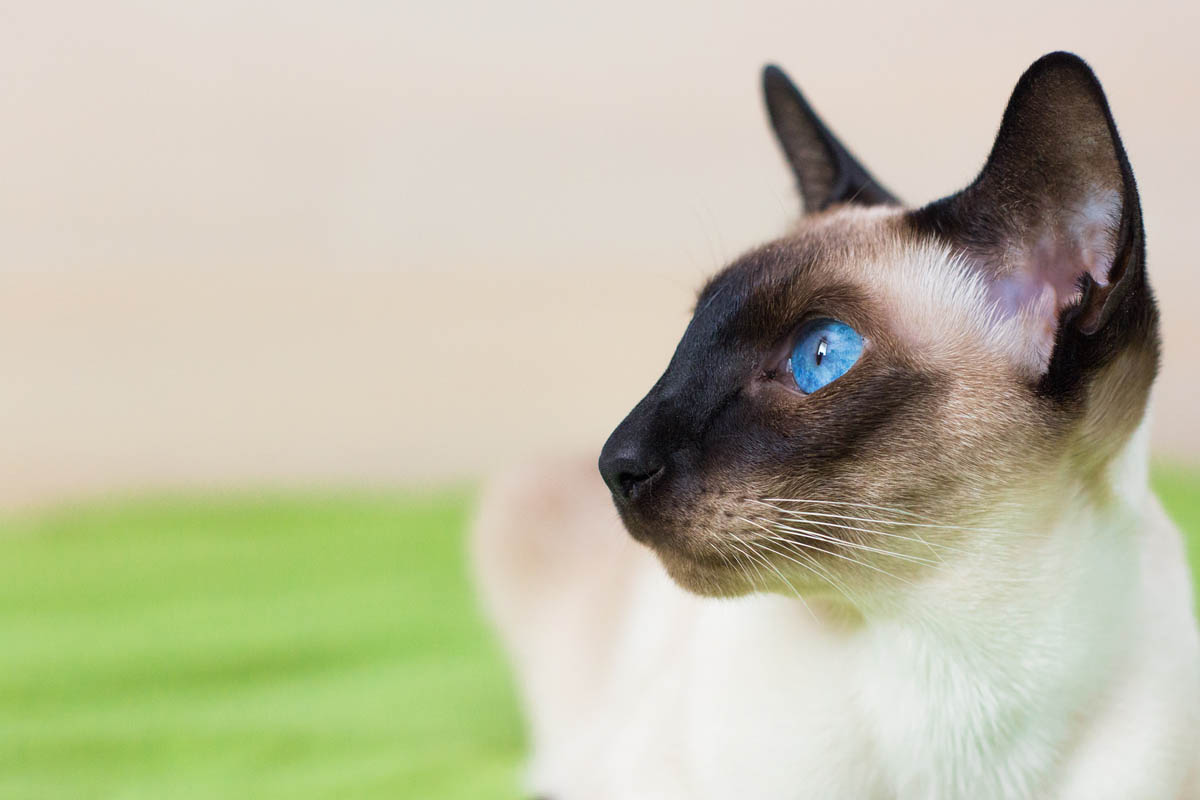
[863, 396]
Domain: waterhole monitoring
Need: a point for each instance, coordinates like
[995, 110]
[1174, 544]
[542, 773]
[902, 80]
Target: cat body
[940, 573]
[1081, 684]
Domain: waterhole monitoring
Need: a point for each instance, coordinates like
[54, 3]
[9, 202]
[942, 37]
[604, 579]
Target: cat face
[986, 353]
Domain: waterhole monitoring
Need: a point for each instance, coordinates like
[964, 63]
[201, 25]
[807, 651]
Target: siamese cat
[896, 534]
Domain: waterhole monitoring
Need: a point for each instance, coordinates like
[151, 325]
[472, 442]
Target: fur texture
[943, 575]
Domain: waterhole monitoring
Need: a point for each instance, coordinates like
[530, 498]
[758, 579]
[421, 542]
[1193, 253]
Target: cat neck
[1075, 544]
[1005, 653]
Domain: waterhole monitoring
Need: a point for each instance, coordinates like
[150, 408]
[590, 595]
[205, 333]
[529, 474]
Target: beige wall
[302, 243]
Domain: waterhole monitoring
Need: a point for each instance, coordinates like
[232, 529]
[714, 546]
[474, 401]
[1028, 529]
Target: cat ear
[1054, 222]
[825, 171]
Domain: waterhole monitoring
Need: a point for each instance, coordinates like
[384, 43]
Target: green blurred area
[286, 647]
[265, 647]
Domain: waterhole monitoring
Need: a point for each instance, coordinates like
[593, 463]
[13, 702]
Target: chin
[690, 559]
[701, 577]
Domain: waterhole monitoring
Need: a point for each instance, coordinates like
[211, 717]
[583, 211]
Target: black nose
[628, 471]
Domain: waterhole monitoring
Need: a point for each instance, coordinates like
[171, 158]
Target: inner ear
[826, 173]
[1042, 272]
[1053, 219]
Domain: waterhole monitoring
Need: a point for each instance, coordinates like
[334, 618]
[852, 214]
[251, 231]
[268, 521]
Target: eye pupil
[822, 349]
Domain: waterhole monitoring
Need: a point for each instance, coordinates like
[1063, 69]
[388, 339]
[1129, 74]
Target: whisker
[742, 566]
[806, 541]
[854, 545]
[929, 521]
[878, 520]
[800, 550]
[843, 503]
[720, 554]
[811, 566]
[806, 516]
[752, 564]
[809, 545]
[767, 561]
[834, 582]
[829, 552]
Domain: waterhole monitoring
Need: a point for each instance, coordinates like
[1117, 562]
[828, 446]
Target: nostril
[632, 483]
[629, 475]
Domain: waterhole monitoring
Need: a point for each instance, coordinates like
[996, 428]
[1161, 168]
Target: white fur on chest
[752, 698]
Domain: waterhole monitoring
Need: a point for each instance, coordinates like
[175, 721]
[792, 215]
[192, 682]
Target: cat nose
[629, 471]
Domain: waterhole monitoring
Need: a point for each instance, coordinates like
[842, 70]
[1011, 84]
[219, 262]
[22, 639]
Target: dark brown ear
[825, 171]
[1055, 223]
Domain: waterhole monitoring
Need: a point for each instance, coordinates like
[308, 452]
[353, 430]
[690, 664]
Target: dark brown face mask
[728, 345]
[1054, 214]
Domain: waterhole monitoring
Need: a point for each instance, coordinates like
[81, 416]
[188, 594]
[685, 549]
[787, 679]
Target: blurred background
[280, 282]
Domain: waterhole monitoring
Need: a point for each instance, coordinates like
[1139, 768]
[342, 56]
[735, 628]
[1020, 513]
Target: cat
[894, 533]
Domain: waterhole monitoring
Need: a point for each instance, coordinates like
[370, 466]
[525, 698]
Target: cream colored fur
[1046, 663]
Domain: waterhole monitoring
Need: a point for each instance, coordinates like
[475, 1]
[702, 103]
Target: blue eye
[824, 351]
